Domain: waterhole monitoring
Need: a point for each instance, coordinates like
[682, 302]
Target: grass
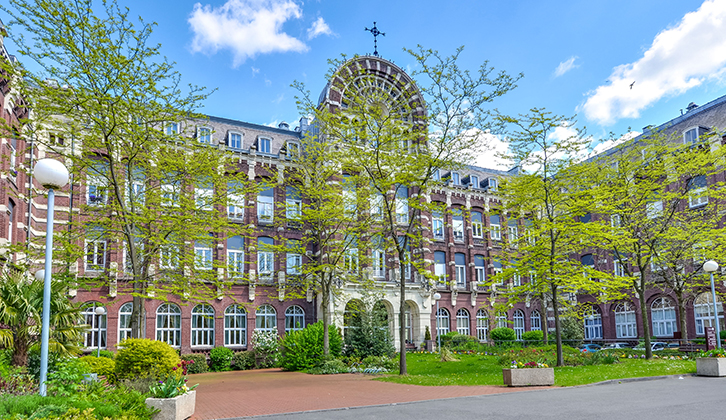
[426, 369]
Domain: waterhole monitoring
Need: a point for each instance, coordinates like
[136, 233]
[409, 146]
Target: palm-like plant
[21, 304]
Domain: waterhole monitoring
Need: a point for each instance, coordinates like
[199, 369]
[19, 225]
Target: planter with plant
[172, 397]
[528, 374]
[711, 363]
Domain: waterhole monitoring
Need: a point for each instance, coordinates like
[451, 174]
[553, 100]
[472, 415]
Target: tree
[21, 301]
[105, 102]
[645, 187]
[550, 194]
[397, 134]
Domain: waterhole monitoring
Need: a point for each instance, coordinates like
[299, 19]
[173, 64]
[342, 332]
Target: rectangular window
[493, 184]
[495, 228]
[497, 271]
[618, 268]
[455, 178]
[653, 209]
[350, 196]
[436, 175]
[479, 269]
[350, 261]
[477, 228]
[293, 204]
[169, 258]
[266, 206]
[203, 195]
[293, 149]
[402, 205]
[265, 257]
[264, 144]
[170, 189]
[97, 190]
[378, 260]
[615, 220]
[690, 136]
[202, 255]
[236, 263]
[235, 201]
[95, 250]
[437, 225]
[513, 232]
[294, 258]
[697, 196]
[172, 129]
[204, 135]
[460, 260]
[474, 181]
[458, 226]
[440, 266]
[235, 141]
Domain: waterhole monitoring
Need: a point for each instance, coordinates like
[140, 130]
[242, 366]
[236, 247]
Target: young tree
[105, 102]
[549, 193]
[645, 187]
[397, 133]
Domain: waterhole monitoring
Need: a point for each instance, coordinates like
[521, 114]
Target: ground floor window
[593, 324]
[462, 321]
[625, 326]
[482, 324]
[663, 314]
[442, 321]
[235, 326]
[703, 312]
[266, 318]
[518, 323]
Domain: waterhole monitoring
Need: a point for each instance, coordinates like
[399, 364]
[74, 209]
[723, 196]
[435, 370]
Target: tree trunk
[682, 314]
[543, 320]
[138, 317]
[325, 309]
[644, 317]
[20, 351]
[402, 369]
[558, 331]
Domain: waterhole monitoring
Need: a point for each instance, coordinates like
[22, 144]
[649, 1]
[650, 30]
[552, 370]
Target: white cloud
[268, 82]
[246, 27]
[318, 28]
[492, 147]
[255, 71]
[566, 66]
[679, 59]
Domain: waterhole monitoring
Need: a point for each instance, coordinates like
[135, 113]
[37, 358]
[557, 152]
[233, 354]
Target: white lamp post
[710, 267]
[437, 296]
[50, 174]
[100, 310]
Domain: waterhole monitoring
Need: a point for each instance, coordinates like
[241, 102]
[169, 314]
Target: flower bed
[711, 363]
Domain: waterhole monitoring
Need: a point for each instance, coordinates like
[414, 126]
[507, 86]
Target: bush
[304, 349]
[34, 362]
[368, 333]
[107, 354]
[66, 377]
[533, 338]
[503, 336]
[243, 360]
[427, 334]
[220, 359]
[329, 367]
[383, 362]
[266, 345]
[573, 330]
[142, 357]
[199, 365]
[102, 366]
[14, 382]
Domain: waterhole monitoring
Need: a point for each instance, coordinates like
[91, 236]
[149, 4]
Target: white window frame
[460, 272]
[293, 264]
[166, 313]
[688, 133]
[169, 257]
[462, 322]
[696, 196]
[378, 263]
[474, 181]
[95, 258]
[232, 142]
[235, 326]
[593, 324]
[702, 307]
[294, 319]
[91, 337]
[518, 324]
[535, 321]
[457, 227]
[437, 225]
[266, 318]
[265, 263]
[124, 321]
[443, 325]
[513, 232]
[202, 256]
[653, 209]
[477, 228]
[203, 198]
[482, 324]
[293, 207]
[495, 231]
[663, 315]
[351, 261]
[293, 149]
[266, 208]
[264, 143]
[401, 210]
[202, 326]
[440, 270]
[96, 190]
[171, 128]
[493, 184]
[502, 320]
[204, 135]
[455, 178]
[625, 321]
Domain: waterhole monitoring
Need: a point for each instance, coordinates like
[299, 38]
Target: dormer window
[234, 140]
[493, 184]
[455, 178]
[172, 129]
[293, 149]
[204, 135]
[690, 136]
[436, 175]
[475, 181]
[263, 145]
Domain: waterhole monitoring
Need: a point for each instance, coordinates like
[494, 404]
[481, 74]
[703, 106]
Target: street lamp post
[50, 174]
[710, 267]
[99, 312]
[437, 296]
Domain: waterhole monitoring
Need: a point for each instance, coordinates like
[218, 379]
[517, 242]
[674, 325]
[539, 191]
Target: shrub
[34, 362]
[220, 359]
[573, 330]
[456, 341]
[14, 382]
[107, 354]
[503, 336]
[199, 365]
[141, 357]
[369, 335]
[102, 366]
[329, 367]
[266, 345]
[533, 337]
[65, 379]
[383, 362]
[243, 360]
[427, 334]
[304, 349]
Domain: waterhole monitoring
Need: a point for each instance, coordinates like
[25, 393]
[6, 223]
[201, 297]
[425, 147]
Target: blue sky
[578, 57]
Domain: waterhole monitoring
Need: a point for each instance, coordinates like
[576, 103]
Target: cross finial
[375, 33]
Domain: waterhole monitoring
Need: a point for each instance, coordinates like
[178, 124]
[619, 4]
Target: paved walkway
[271, 391]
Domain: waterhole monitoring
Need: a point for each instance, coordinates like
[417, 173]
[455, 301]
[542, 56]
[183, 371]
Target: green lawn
[425, 369]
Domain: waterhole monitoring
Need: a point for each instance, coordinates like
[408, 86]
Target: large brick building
[464, 246]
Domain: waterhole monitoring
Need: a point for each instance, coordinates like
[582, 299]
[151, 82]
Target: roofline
[293, 133]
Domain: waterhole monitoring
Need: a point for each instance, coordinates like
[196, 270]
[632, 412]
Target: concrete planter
[177, 408]
[529, 377]
[711, 366]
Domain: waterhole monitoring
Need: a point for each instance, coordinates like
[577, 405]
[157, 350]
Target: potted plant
[428, 342]
[711, 363]
[528, 374]
[172, 397]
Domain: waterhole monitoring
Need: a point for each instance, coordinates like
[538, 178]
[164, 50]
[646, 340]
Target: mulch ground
[271, 391]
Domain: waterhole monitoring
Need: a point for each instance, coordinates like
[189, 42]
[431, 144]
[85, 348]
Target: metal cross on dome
[375, 33]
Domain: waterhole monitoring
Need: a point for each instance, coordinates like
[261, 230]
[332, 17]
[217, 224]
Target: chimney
[691, 107]
[283, 125]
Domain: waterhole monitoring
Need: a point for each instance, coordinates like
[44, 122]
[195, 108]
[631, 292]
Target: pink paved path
[271, 391]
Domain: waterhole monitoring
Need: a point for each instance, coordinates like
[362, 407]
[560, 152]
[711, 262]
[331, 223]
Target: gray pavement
[682, 398]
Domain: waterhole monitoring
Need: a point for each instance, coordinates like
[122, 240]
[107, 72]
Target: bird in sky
[631, 85]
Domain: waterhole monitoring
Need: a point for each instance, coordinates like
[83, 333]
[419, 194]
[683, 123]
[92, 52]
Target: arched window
[663, 314]
[442, 321]
[266, 318]
[124, 321]
[482, 324]
[625, 326]
[535, 321]
[703, 312]
[593, 323]
[168, 324]
[93, 320]
[294, 318]
[502, 320]
[235, 326]
[351, 316]
[518, 325]
[203, 325]
[462, 321]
